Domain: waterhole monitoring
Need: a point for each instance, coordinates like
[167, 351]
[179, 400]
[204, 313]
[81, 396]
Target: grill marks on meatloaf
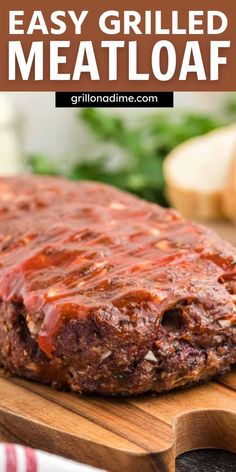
[110, 293]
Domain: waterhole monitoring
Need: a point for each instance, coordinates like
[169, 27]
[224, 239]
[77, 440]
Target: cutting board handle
[205, 429]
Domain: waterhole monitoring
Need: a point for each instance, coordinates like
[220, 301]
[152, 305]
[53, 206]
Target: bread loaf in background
[196, 175]
[229, 196]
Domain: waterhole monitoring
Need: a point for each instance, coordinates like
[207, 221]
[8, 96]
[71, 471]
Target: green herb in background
[146, 145]
[42, 165]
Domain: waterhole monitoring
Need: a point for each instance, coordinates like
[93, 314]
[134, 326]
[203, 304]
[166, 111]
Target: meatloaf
[103, 292]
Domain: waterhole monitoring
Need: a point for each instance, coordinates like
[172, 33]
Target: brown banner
[137, 48]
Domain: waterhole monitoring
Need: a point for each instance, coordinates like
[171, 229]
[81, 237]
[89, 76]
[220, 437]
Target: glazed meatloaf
[103, 292]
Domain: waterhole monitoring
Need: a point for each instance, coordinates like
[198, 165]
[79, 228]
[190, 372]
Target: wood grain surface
[143, 434]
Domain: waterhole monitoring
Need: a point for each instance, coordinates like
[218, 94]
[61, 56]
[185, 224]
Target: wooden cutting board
[143, 434]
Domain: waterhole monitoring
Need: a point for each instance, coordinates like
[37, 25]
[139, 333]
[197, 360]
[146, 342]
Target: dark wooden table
[206, 461]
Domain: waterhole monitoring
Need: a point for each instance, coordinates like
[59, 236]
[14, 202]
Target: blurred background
[126, 147]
